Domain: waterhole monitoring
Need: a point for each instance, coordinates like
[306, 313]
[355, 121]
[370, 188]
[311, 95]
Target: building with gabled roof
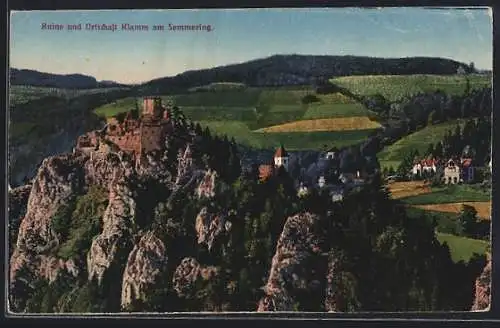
[281, 159]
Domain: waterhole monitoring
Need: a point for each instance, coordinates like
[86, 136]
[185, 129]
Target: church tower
[281, 158]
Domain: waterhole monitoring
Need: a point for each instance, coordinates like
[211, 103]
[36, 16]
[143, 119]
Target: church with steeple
[281, 159]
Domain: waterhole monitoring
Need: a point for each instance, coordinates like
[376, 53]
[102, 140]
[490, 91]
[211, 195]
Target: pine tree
[438, 150]
[430, 150]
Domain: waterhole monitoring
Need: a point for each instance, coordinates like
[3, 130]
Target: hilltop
[65, 81]
[281, 70]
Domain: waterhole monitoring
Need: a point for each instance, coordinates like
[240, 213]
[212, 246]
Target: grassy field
[443, 204]
[116, 107]
[461, 248]
[420, 140]
[452, 194]
[483, 208]
[325, 124]
[395, 87]
[324, 110]
[292, 140]
[238, 112]
[408, 188]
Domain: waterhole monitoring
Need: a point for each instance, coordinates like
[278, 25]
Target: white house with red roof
[452, 172]
[426, 165]
[281, 159]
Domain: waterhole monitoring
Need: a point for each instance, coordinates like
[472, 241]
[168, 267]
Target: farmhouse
[425, 166]
[133, 135]
[452, 172]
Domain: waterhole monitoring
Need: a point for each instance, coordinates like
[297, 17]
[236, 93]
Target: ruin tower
[152, 107]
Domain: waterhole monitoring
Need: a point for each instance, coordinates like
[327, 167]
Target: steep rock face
[188, 273]
[333, 299]
[206, 188]
[184, 164]
[18, 201]
[58, 178]
[146, 262]
[483, 289]
[209, 226]
[152, 167]
[51, 266]
[99, 169]
[297, 243]
[279, 301]
[118, 222]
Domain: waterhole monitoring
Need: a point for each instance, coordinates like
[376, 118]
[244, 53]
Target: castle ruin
[135, 134]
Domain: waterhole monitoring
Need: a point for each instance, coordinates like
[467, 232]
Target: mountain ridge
[274, 70]
[281, 70]
[66, 81]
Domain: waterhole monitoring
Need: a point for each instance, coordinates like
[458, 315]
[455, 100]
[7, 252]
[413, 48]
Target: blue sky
[241, 35]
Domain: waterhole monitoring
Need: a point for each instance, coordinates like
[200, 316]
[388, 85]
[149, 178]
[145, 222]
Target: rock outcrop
[51, 266]
[184, 164]
[206, 189]
[118, 222]
[298, 242]
[58, 179]
[483, 289]
[188, 273]
[209, 226]
[146, 263]
[18, 201]
[336, 280]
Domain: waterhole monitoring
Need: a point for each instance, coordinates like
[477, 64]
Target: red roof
[466, 162]
[429, 162]
[280, 152]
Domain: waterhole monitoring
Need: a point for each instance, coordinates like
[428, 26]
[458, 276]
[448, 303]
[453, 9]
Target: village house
[331, 153]
[459, 171]
[452, 172]
[135, 135]
[420, 167]
[335, 189]
[467, 170]
[281, 159]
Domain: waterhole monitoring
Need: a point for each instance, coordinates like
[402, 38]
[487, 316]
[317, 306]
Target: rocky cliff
[483, 289]
[50, 237]
[145, 264]
[298, 244]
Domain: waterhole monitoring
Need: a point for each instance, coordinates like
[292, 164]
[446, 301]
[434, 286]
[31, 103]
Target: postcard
[253, 160]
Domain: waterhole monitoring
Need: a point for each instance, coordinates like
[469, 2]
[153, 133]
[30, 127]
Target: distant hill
[68, 81]
[280, 70]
